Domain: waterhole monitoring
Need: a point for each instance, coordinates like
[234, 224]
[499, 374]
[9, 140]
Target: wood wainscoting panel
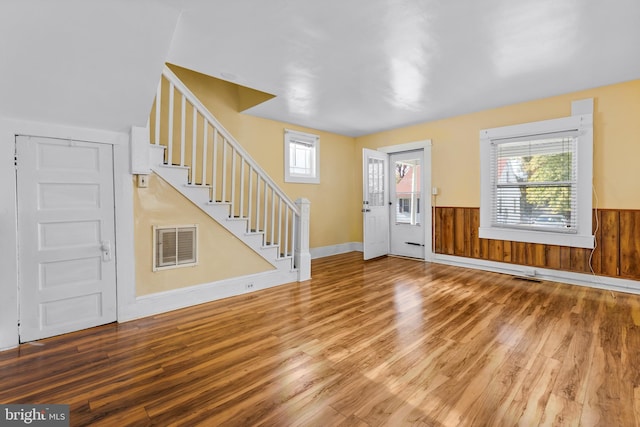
[610, 243]
[447, 231]
[617, 251]
[630, 243]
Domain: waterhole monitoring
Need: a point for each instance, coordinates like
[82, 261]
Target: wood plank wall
[617, 253]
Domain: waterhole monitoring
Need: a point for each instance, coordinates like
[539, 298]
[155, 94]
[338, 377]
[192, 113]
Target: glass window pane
[536, 183]
[376, 182]
[407, 190]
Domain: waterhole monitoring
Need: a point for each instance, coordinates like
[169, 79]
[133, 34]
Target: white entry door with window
[406, 220]
[66, 267]
[375, 204]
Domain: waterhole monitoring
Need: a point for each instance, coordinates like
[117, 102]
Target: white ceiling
[360, 66]
[83, 63]
[351, 67]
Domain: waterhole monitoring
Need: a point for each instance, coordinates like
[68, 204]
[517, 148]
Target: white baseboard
[580, 279]
[149, 305]
[161, 302]
[342, 248]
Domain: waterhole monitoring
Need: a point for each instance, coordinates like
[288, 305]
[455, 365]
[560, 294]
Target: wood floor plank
[385, 342]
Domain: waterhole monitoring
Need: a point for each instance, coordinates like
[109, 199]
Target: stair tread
[179, 179]
[165, 165]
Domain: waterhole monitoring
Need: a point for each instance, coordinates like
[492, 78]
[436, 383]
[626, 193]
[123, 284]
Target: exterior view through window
[407, 191]
[535, 184]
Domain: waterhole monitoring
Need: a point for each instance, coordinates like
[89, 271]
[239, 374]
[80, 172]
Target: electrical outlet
[248, 287]
[143, 181]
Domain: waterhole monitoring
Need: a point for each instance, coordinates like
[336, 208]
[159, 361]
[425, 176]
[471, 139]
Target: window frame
[157, 230]
[293, 136]
[578, 126]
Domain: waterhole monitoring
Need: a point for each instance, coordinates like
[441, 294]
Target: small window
[174, 246]
[301, 157]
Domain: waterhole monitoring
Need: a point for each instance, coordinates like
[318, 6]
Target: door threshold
[406, 257]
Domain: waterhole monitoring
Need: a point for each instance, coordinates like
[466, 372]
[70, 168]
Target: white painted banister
[301, 252]
[179, 86]
[250, 193]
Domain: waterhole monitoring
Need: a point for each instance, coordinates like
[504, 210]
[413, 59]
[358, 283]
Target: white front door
[375, 203]
[406, 222]
[66, 267]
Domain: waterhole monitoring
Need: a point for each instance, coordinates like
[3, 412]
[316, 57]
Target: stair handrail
[206, 114]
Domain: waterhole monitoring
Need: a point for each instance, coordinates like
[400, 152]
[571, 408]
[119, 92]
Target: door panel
[66, 231]
[375, 204]
[406, 222]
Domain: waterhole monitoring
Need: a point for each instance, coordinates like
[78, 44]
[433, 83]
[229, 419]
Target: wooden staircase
[220, 211]
[186, 146]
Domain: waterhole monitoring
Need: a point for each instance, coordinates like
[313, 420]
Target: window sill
[541, 237]
[301, 180]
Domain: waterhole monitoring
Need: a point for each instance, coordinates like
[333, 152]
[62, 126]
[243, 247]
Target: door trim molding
[426, 182]
[408, 146]
[123, 195]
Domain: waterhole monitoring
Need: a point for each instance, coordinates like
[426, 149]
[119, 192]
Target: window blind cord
[595, 240]
[433, 223]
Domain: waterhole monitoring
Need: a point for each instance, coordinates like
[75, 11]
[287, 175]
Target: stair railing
[194, 138]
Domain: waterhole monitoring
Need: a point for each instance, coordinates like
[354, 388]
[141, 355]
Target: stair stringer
[177, 177]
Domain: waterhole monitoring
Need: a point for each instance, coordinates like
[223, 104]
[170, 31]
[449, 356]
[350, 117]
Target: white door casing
[406, 193]
[66, 236]
[375, 203]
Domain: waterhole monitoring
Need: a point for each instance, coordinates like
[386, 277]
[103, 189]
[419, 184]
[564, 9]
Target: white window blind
[534, 184]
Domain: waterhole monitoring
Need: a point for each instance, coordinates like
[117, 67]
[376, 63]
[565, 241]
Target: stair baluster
[251, 197]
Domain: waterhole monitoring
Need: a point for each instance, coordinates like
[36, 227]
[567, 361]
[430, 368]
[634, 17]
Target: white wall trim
[9, 241]
[162, 302]
[580, 279]
[408, 146]
[572, 278]
[124, 255]
[343, 248]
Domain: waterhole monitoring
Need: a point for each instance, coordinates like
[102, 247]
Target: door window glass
[407, 182]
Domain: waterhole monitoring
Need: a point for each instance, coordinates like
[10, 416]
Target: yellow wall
[456, 151]
[221, 255]
[333, 201]
[335, 208]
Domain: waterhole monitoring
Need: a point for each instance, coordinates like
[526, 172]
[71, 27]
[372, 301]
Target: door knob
[106, 250]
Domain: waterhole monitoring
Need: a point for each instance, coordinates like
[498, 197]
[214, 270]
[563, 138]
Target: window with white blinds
[301, 157]
[535, 182]
[174, 246]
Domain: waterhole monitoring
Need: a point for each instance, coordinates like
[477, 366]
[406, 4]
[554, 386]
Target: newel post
[302, 257]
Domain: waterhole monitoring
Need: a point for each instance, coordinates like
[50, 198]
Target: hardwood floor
[384, 342]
